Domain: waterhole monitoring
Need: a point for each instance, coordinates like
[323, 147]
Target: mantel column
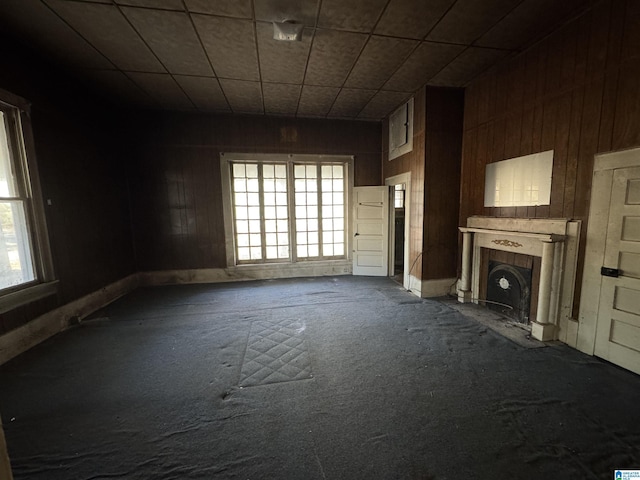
[464, 290]
[541, 328]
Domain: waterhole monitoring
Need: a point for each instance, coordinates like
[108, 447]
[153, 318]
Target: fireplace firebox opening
[509, 290]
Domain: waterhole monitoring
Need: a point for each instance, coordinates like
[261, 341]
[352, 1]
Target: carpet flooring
[315, 378]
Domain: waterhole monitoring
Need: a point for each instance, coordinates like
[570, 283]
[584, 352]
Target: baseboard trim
[23, 338]
[244, 273]
[438, 288]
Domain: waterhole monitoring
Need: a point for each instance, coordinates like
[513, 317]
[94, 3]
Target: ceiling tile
[332, 57]
[411, 18]
[108, 31]
[350, 102]
[300, 11]
[469, 19]
[316, 101]
[382, 104]
[31, 19]
[172, 38]
[243, 96]
[530, 20]
[163, 88]
[358, 15]
[225, 8]
[204, 92]
[281, 99]
[378, 61]
[282, 62]
[163, 4]
[471, 63]
[238, 58]
[119, 87]
[425, 62]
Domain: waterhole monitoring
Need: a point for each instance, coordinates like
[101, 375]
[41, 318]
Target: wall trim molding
[438, 288]
[245, 273]
[23, 338]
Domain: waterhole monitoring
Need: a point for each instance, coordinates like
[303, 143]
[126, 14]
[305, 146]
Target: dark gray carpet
[324, 378]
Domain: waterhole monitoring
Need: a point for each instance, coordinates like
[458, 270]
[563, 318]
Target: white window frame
[226, 161]
[17, 111]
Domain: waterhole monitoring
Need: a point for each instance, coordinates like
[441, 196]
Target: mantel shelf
[543, 237]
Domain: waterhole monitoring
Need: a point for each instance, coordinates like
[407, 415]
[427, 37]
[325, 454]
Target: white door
[370, 230]
[618, 329]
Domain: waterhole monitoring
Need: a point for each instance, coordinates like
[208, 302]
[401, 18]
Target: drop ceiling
[357, 58]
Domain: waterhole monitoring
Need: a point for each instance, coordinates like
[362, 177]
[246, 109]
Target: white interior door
[371, 230]
[618, 329]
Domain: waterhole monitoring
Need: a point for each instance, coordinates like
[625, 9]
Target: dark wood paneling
[434, 165]
[176, 181]
[81, 160]
[580, 97]
[444, 115]
[412, 162]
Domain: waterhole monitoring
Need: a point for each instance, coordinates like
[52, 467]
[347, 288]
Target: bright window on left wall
[25, 263]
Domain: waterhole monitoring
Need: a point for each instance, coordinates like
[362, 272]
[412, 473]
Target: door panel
[371, 230]
[618, 331]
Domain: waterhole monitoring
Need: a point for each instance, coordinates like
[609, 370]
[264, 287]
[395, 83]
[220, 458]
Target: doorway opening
[399, 228]
[398, 232]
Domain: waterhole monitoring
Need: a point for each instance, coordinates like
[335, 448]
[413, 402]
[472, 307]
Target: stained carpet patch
[276, 352]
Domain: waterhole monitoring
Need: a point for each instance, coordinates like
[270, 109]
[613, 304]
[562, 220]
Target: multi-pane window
[398, 195]
[26, 269]
[288, 211]
[16, 258]
[261, 211]
[332, 183]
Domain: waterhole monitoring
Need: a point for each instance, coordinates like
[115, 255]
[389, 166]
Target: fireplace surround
[554, 240]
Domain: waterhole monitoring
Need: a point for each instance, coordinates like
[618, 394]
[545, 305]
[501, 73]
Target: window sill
[18, 298]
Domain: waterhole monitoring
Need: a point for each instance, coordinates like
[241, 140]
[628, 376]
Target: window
[398, 195]
[24, 254]
[287, 208]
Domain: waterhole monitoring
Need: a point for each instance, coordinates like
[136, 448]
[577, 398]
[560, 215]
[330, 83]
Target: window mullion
[291, 205]
[320, 216]
[263, 237]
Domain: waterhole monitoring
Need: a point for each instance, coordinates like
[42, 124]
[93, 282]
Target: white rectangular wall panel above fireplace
[519, 182]
[554, 240]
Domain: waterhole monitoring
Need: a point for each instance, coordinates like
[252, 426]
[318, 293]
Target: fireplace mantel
[554, 240]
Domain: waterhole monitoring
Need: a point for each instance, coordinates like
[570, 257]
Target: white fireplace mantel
[554, 240]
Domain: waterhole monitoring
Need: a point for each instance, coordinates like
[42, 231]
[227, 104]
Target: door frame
[602, 182]
[392, 181]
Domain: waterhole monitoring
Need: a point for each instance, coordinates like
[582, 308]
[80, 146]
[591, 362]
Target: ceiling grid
[357, 59]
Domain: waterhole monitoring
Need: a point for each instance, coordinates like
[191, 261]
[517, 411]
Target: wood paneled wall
[434, 164]
[81, 166]
[443, 156]
[176, 185]
[576, 92]
[411, 162]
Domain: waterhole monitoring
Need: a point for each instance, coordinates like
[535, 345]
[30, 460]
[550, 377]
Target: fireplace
[509, 290]
[555, 244]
